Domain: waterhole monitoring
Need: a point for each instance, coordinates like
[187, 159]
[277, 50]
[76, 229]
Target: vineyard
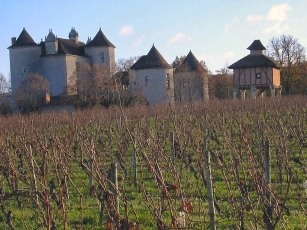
[224, 165]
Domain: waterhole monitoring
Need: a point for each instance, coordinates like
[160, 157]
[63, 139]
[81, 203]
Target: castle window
[168, 84]
[134, 83]
[101, 55]
[167, 76]
[146, 80]
[258, 75]
[24, 70]
[183, 83]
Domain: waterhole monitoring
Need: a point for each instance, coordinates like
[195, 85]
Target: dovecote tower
[256, 71]
[153, 77]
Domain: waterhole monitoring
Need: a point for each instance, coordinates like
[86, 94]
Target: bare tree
[189, 83]
[124, 64]
[92, 84]
[290, 54]
[220, 84]
[4, 95]
[31, 93]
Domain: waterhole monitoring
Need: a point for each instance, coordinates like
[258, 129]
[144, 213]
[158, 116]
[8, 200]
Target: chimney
[13, 39]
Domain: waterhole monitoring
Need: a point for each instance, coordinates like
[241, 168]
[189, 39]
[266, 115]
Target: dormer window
[258, 75]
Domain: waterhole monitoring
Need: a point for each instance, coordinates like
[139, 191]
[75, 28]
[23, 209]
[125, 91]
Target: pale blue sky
[217, 32]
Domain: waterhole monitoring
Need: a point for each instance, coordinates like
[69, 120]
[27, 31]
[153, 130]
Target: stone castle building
[56, 59]
[153, 77]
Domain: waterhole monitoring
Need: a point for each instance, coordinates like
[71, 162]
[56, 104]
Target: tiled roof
[189, 64]
[256, 45]
[24, 39]
[100, 40]
[153, 60]
[254, 61]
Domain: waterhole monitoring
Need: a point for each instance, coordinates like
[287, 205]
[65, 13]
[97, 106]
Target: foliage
[291, 55]
[32, 92]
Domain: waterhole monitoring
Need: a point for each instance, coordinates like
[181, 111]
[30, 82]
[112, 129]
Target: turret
[73, 35]
[51, 43]
[153, 77]
[101, 51]
[24, 58]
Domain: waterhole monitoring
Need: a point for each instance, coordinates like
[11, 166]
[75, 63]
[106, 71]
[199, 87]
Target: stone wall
[153, 84]
[108, 57]
[23, 61]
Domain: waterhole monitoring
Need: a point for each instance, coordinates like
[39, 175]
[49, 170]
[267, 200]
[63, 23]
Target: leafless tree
[290, 54]
[124, 64]
[4, 95]
[32, 91]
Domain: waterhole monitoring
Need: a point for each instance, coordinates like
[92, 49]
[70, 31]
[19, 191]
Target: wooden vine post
[115, 185]
[134, 162]
[267, 217]
[90, 175]
[210, 189]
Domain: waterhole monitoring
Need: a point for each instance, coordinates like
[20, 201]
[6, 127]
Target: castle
[57, 59]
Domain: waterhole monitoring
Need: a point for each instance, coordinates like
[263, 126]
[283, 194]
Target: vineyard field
[157, 167]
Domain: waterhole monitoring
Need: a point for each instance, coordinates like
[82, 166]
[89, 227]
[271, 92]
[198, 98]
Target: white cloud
[126, 31]
[180, 37]
[233, 22]
[278, 12]
[206, 57]
[228, 54]
[254, 18]
[278, 28]
[138, 41]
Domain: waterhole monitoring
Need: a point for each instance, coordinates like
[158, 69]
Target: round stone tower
[101, 51]
[24, 58]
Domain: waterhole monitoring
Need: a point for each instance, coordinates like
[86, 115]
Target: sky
[216, 31]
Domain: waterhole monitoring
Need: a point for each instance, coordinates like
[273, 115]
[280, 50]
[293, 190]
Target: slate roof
[190, 64]
[100, 40]
[256, 45]
[250, 61]
[153, 60]
[24, 39]
[66, 46]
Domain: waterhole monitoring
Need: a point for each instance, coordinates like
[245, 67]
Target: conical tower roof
[24, 39]
[153, 60]
[256, 45]
[189, 64]
[100, 40]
